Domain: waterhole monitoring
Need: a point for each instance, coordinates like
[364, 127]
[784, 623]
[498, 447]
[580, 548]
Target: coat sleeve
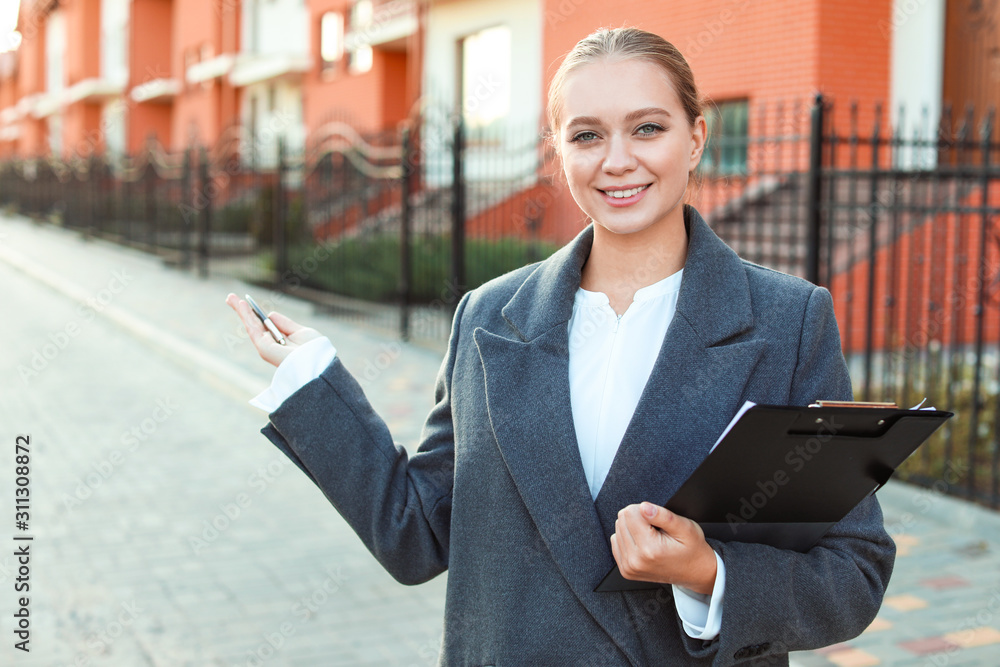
[778, 600]
[399, 506]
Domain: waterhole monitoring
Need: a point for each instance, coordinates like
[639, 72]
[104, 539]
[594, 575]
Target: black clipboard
[783, 475]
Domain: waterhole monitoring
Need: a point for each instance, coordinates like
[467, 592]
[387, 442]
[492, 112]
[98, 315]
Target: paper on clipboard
[739, 413]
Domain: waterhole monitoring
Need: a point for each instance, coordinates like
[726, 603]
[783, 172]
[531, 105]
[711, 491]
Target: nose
[619, 158]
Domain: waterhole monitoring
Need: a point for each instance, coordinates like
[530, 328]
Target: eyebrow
[629, 117]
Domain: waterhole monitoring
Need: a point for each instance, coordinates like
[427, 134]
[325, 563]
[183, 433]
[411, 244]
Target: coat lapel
[527, 392]
[691, 394]
[696, 383]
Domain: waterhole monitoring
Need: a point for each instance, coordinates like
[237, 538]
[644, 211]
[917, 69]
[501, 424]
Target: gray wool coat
[496, 493]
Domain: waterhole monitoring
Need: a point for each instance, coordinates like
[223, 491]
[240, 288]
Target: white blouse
[610, 360]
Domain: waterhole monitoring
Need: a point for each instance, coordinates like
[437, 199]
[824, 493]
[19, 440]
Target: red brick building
[183, 70]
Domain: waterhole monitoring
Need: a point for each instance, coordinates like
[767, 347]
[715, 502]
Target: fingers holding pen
[243, 311]
[269, 349]
[259, 336]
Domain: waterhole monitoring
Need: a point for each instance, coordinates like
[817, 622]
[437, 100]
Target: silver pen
[277, 335]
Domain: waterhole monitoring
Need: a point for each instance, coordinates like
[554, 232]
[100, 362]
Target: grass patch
[369, 268]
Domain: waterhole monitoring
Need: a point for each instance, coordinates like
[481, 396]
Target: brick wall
[373, 100]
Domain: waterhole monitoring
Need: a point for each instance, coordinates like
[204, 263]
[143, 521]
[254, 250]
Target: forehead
[610, 88]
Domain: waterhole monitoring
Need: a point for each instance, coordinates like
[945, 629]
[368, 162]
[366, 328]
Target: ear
[699, 135]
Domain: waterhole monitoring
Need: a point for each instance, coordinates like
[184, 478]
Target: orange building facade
[97, 75]
[91, 76]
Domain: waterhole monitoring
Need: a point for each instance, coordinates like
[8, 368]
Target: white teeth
[622, 194]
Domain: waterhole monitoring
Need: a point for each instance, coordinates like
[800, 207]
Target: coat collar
[692, 392]
[714, 282]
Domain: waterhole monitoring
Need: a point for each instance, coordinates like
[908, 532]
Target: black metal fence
[390, 229]
[903, 226]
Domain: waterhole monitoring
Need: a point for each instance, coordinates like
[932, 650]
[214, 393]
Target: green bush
[369, 268]
[946, 456]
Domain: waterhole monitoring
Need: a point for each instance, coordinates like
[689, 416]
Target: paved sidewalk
[169, 532]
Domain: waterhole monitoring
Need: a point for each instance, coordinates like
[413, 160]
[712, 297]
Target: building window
[361, 59]
[726, 152]
[360, 54]
[114, 40]
[361, 14]
[331, 38]
[486, 63]
[55, 52]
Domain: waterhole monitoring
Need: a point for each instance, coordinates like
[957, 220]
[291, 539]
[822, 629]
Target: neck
[621, 264]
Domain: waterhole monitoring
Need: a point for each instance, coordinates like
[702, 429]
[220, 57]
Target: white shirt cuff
[701, 615]
[303, 365]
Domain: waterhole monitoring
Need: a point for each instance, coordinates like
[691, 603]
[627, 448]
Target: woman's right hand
[269, 349]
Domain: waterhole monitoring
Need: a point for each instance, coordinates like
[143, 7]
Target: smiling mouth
[624, 194]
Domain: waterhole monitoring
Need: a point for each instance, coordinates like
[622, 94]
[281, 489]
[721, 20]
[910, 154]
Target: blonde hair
[626, 43]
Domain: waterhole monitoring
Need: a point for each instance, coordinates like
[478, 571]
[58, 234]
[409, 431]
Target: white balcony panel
[10, 133]
[388, 23]
[10, 115]
[156, 89]
[26, 105]
[255, 69]
[93, 89]
[210, 69]
[47, 104]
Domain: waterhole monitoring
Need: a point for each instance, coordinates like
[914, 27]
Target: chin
[625, 227]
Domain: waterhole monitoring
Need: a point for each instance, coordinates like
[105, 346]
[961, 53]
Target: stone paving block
[929, 645]
[852, 657]
[878, 625]
[905, 602]
[980, 636]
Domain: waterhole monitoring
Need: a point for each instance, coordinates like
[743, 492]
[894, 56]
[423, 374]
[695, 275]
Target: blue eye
[581, 135]
[652, 128]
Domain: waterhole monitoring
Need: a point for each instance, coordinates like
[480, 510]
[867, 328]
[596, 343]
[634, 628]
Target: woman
[577, 394]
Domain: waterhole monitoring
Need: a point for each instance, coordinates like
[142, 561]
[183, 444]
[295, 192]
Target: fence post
[980, 312]
[405, 268]
[458, 210]
[205, 214]
[814, 191]
[186, 202]
[280, 219]
[872, 254]
[126, 164]
[92, 189]
[151, 236]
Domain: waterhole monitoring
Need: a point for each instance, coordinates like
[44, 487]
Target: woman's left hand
[654, 544]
